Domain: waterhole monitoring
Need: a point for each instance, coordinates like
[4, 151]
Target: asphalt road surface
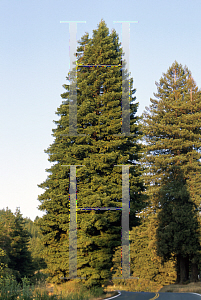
[152, 296]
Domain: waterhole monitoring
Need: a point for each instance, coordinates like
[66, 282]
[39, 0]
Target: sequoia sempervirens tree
[99, 181]
[172, 128]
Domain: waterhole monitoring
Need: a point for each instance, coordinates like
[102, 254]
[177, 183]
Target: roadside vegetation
[10, 289]
[192, 287]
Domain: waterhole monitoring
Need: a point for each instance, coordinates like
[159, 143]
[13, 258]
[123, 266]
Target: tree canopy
[172, 127]
[99, 181]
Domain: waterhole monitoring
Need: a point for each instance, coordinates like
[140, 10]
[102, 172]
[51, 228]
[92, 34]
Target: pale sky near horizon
[34, 59]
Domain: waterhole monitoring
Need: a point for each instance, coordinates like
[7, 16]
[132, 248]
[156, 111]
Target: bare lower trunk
[194, 272]
[184, 269]
[178, 268]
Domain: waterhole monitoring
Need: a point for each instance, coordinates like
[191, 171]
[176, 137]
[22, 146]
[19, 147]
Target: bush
[9, 288]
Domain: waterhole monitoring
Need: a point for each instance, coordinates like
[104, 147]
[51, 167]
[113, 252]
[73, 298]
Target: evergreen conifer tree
[20, 256]
[35, 246]
[99, 183]
[172, 133]
[14, 239]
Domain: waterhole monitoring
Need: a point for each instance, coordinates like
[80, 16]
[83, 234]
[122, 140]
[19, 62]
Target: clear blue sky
[34, 61]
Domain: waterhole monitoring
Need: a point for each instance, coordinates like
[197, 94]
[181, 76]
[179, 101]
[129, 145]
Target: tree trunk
[178, 268]
[184, 269]
[194, 272]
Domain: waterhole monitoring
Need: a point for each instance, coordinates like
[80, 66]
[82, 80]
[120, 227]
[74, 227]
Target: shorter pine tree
[14, 240]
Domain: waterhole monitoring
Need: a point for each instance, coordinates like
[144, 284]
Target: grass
[72, 290]
[135, 285]
[148, 286]
[193, 287]
[75, 289]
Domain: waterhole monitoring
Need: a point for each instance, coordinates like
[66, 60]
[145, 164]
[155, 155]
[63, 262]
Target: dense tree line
[20, 247]
[164, 179]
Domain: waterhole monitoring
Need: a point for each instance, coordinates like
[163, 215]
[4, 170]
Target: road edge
[119, 293]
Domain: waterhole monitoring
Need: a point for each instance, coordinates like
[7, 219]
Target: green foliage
[172, 127]
[99, 183]
[35, 245]
[172, 132]
[14, 240]
[178, 230]
[32, 228]
[146, 266]
[9, 288]
[3, 265]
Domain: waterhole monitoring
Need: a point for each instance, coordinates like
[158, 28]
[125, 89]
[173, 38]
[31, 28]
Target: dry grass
[133, 285]
[75, 287]
[193, 287]
[71, 288]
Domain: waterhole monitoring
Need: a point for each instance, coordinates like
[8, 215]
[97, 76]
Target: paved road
[152, 296]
